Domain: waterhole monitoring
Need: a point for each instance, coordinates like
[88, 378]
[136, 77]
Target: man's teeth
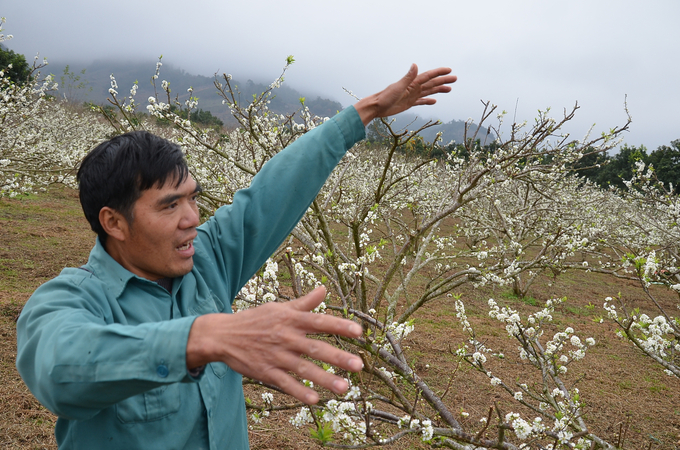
[185, 246]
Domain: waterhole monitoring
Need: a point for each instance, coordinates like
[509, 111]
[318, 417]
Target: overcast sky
[521, 55]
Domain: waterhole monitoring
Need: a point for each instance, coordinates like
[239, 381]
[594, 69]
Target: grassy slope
[39, 236]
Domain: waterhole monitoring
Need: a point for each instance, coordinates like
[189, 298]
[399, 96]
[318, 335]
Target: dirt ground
[629, 398]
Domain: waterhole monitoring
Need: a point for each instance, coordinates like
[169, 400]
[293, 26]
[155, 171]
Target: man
[137, 348]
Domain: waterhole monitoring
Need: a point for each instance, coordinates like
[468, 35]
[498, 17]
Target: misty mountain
[93, 85]
[451, 131]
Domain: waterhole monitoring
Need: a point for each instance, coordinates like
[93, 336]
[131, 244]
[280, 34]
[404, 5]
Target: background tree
[73, 86]
[666, 163]
[202, 117]
[621, 166]
[591, 165]
[20, 71]
[42, 139]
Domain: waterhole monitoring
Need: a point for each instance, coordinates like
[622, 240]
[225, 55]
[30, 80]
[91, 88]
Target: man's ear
[114, 223]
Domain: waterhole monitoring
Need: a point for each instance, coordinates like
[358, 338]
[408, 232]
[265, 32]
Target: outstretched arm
[412, 90]
[268, 343]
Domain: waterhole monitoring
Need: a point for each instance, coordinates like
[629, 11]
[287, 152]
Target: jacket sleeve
[77, 362]
[241, 236]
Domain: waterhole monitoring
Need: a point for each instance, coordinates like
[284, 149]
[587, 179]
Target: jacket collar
[109, 271]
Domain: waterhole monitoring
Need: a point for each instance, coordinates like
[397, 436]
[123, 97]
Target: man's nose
[190, 218]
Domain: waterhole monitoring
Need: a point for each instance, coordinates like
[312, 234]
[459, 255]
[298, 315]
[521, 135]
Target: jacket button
[162, 371]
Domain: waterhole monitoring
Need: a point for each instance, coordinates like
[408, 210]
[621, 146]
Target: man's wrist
[198, 344]
[367, 108]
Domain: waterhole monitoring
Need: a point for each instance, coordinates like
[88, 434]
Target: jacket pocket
[210, 304]
[219, 369]
[149, 406]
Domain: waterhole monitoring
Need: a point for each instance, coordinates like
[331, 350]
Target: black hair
[117, 171]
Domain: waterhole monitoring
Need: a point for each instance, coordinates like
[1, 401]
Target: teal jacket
[105, 350]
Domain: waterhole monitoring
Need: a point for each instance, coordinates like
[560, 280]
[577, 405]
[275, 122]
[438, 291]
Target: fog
[522, 56]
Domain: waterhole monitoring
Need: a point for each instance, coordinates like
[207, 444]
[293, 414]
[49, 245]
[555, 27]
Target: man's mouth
[186, 246]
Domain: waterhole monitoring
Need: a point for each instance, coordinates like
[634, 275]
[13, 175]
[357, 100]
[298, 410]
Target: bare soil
[629, 398]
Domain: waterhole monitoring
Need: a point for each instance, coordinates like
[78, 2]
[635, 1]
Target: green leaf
[323, 433]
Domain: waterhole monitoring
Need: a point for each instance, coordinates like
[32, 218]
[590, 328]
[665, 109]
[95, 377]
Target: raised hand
[412, 90]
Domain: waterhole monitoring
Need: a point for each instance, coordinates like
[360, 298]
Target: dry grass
[39, 237]
[624, 390]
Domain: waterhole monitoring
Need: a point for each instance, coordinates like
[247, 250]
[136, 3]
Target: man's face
[159, 242]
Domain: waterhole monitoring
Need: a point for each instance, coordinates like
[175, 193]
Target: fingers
[325, 352]
[307, 370]
[310, 372]
[424, 101]
[410, 76]
[291, 386]
[437, 75]
[425, 94]
[433, 82]
[438, 86]
[316, 349]
[325, 323]
[322, 323]
[309, 301]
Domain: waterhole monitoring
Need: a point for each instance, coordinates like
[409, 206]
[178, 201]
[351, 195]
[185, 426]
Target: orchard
[393, 235]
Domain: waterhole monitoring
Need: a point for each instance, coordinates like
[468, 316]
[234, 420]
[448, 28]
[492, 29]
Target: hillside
[453, 130]
[95, 82]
